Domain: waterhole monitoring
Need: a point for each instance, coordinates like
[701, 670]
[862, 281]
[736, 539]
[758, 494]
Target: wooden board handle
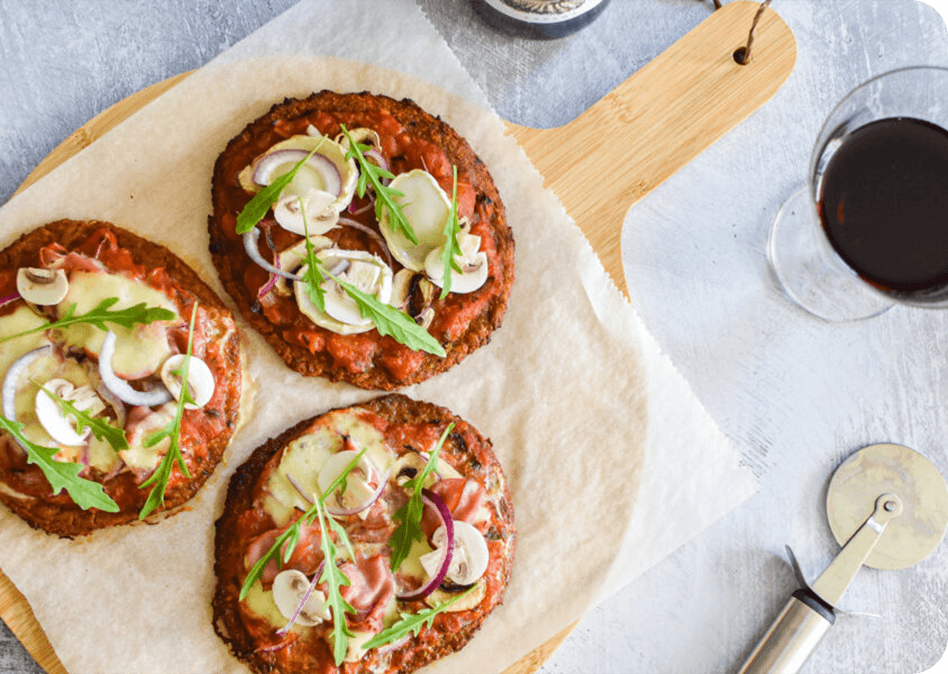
[658, 120]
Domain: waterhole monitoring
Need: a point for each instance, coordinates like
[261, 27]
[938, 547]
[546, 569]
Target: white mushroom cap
[317, 205]
[291, 258]
[289, 587]
[358, 490]
[44, 287]
[362, 269]
[470, 557]
[473, 264]
[200, 380]
[426, 207]
[327, 171]
[62, 429]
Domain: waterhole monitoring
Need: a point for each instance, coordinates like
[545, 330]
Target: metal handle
[792, 637]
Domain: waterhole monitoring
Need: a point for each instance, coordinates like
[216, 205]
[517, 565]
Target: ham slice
[306, 557]
[371, 588]
[466, 499]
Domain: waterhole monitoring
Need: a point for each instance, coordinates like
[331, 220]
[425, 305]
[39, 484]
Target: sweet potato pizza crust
[465, 449]
[463, 323]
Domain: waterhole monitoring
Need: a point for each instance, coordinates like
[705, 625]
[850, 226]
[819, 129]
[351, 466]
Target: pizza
[322, 515]
[394, 204]
[96, 327]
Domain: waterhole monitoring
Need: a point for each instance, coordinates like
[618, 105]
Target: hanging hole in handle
[740, 56]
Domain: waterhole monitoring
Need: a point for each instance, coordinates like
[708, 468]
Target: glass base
[810, 272]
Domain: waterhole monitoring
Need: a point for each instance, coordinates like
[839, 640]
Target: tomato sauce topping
[371, 585]
[101, 253]
[404, 151]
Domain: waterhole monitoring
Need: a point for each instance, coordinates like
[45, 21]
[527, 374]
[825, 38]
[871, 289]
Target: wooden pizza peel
[599, 165]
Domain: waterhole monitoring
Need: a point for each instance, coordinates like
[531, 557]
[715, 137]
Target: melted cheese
[305, 457]
[260, 603]
[139, 352]
[100, 454]
[21, 320]
[138, 457]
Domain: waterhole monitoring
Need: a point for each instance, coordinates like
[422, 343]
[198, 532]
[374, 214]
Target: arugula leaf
[451, 248]
[291, 536]
[410, 514]
[100, 428]
[61, 475]
[314, 275]
[411, 622]
[257, 569]
[172, 430]
[385, 196]
[390, 321]
[331, 575]
[127, 318]
[256, 209]
[334, 579]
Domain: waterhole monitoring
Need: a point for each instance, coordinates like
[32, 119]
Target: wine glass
[869, 229]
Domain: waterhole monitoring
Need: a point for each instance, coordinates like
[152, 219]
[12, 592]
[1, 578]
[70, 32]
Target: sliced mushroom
[426, 207]
[361, 135]
[327, 171]
[470, 557]
[472, 261]
[316, 205]
[413, 294]
[44, 287]
[289, 588]
[292, 257]
[367, 272]
[62, 429]
[358, 487]
[200, 380]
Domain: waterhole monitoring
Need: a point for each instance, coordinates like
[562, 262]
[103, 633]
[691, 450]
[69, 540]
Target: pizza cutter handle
[792, 637]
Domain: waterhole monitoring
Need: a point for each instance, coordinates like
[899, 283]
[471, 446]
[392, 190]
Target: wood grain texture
[623, 147]
[658, 120]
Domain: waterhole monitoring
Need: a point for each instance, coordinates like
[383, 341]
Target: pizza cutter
[888, 507]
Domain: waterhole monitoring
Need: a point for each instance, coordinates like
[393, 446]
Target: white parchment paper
[611, 460]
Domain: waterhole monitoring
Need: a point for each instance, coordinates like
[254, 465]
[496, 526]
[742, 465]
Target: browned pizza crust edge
[63, 517]
[230, 259]
[471, 454]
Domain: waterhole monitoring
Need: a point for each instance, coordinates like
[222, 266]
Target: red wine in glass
[883, 203]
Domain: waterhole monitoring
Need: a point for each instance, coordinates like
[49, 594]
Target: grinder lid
[890, 468]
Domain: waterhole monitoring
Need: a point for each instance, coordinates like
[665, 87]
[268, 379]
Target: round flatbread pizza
[362, 237]
[372, 538]
[100, 332]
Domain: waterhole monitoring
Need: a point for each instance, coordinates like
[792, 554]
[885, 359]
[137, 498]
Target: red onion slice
[298, 487]
[121, 388]
[268, 286]
[9, 298]
[328, 172]
[432, 499]
[375, 235]
[358, 211]
[250, 245]
[369, 502]
[13, 375]
[376, 158]
[278, 647]
[299, 607]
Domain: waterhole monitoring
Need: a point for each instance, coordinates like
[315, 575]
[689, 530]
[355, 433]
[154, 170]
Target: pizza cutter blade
[887, 506]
